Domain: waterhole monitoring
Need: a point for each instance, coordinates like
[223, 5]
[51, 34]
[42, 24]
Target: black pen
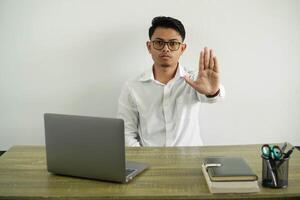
[287, 155]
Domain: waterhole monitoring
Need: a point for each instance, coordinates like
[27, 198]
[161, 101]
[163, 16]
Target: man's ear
[183, 47]
[148, 44]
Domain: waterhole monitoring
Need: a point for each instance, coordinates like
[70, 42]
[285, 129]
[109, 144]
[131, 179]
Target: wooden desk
[175, 173]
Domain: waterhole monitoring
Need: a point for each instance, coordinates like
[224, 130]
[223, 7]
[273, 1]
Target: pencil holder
[275, 173]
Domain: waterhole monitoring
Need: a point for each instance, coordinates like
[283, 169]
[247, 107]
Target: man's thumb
[190, 81]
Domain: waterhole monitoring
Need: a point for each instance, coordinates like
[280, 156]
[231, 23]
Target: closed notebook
[229, 186]
[229, 169]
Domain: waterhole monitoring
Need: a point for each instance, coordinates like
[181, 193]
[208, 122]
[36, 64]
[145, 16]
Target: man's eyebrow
[168, 40]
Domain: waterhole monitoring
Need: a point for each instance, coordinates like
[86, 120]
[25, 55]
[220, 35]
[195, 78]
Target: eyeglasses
[172, 45]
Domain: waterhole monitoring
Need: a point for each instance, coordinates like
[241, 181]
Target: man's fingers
[211, 59]
[206, 58]
[216, 64]
[190, 81]
[201, 61]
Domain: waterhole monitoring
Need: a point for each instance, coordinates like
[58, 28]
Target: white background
[73, 57]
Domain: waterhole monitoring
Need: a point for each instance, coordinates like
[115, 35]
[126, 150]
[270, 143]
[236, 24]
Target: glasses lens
[173, 46]
[158, 44]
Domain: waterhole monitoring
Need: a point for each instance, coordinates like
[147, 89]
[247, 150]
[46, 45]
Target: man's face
[166, 56]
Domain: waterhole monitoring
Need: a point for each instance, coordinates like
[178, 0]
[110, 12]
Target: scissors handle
[272, 152]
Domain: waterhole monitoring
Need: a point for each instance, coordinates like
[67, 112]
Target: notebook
[88, 147]
[229, 186]
[229, 169]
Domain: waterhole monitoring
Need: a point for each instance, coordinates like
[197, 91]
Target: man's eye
[172, 43]
[160, 43]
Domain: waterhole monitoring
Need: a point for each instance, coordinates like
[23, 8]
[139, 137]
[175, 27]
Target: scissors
[271, 152]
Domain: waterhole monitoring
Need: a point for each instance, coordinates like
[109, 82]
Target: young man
[161, 106]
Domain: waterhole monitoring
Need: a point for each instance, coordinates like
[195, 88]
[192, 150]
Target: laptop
[88, 147]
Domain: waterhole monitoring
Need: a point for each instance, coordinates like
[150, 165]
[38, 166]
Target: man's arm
[127, 110]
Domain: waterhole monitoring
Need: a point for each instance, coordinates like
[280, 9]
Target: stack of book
[229, 175]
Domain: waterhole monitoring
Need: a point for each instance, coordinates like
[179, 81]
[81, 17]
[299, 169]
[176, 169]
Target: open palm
[208, 80]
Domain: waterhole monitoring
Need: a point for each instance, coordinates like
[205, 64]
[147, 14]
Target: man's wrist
[214, 95]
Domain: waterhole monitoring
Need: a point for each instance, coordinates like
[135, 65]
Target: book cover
[229, 169]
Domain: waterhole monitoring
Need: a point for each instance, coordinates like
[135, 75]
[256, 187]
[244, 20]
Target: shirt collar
[148, 75]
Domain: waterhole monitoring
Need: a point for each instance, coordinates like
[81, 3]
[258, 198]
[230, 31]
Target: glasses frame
[166, 43]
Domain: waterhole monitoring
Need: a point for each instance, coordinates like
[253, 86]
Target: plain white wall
[74, 56]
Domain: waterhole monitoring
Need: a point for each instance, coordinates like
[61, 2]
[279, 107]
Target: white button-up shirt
[157, 114]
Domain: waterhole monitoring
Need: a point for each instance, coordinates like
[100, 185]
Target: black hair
[167, 22]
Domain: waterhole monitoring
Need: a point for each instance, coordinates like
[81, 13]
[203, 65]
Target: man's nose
[166, 48]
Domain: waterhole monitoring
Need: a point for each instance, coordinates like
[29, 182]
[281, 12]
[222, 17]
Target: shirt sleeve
[127, 110]
[203, 98]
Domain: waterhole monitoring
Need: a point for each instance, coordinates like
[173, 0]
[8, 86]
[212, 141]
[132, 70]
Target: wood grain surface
[174, 173]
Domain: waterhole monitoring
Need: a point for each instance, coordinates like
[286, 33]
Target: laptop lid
[89, 147]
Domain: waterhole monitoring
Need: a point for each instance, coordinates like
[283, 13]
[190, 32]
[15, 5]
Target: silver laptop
[88, 147]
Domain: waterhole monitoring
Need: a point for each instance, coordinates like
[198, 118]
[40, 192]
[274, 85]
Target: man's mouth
[165, 56]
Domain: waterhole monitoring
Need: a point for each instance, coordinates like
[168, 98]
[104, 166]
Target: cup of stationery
[275, 166]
